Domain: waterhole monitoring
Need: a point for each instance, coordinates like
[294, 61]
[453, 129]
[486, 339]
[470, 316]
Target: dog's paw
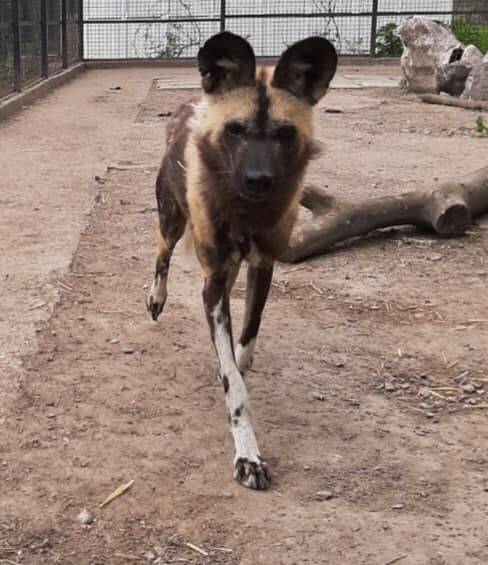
[252, 474]
[154, 308]
[156, 298]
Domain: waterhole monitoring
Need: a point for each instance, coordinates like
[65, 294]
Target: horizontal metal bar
[289, 15]
[357, 14]
[36, 22]
[436, 13]
[150, 21]
[228, 16]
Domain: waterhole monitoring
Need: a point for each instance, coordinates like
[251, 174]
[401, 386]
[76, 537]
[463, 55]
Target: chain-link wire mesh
[30, 40]
[6, 50]
[272, 25]
[46, 34]
[73, 31]
[37, 38]
[121, 29]
[55, 52]
[126, 29]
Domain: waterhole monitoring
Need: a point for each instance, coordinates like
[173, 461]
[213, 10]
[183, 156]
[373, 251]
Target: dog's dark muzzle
[257, 182]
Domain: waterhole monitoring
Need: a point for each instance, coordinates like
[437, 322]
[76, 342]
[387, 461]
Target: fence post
[44, 40]
[374, 28]
[222, 15]
[64, 32]
[16, 45]
[81, 30]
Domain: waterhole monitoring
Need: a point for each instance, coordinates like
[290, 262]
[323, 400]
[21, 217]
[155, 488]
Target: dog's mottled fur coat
[232, 176]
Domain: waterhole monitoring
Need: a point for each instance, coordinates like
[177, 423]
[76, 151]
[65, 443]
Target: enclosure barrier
[40, 37]
[142, 29]
[37, 39]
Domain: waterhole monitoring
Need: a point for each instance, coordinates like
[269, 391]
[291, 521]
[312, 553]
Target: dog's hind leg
[172, 223]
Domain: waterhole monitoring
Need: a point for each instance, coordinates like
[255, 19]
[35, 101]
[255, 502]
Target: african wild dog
[232, 174]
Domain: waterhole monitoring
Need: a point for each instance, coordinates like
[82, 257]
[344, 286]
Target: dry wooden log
[317, 200]
[446, 100]
[448, 210]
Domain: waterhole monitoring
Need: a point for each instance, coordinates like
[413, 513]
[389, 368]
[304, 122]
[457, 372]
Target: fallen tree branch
[317, 200]
[448, 210]
[453, 101]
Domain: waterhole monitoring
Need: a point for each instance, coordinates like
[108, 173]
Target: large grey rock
[451, 78]
[472, 55]
[485, 60]
[428, 45]
[477, 83]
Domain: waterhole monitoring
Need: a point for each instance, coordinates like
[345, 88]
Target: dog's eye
[286, 133]
[235, 128]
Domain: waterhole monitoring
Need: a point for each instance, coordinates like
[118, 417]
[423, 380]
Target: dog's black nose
[258, 181]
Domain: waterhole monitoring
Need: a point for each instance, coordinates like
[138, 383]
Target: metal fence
[132, 29]
[37, 38]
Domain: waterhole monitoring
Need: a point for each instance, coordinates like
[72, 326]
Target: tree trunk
[447, 210]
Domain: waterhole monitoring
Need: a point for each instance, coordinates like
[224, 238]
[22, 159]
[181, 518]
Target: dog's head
[254, 126]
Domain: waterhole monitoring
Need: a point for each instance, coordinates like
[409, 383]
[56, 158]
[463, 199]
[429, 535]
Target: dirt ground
[370, 377]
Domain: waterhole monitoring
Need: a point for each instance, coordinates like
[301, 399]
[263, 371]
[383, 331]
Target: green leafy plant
[472, 34]
[179, 39]
[355, 46]
[388, 44]
[171, 46]
[481, 127]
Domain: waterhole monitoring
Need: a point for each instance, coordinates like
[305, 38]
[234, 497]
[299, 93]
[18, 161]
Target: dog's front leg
[249, 467]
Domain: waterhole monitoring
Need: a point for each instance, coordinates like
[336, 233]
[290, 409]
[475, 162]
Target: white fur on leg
[159, 289]
[238, 408]
[157, 296]
[222, 341]
[244, 355]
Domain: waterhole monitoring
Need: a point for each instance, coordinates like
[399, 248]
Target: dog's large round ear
[306, 68]
[226, 61]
